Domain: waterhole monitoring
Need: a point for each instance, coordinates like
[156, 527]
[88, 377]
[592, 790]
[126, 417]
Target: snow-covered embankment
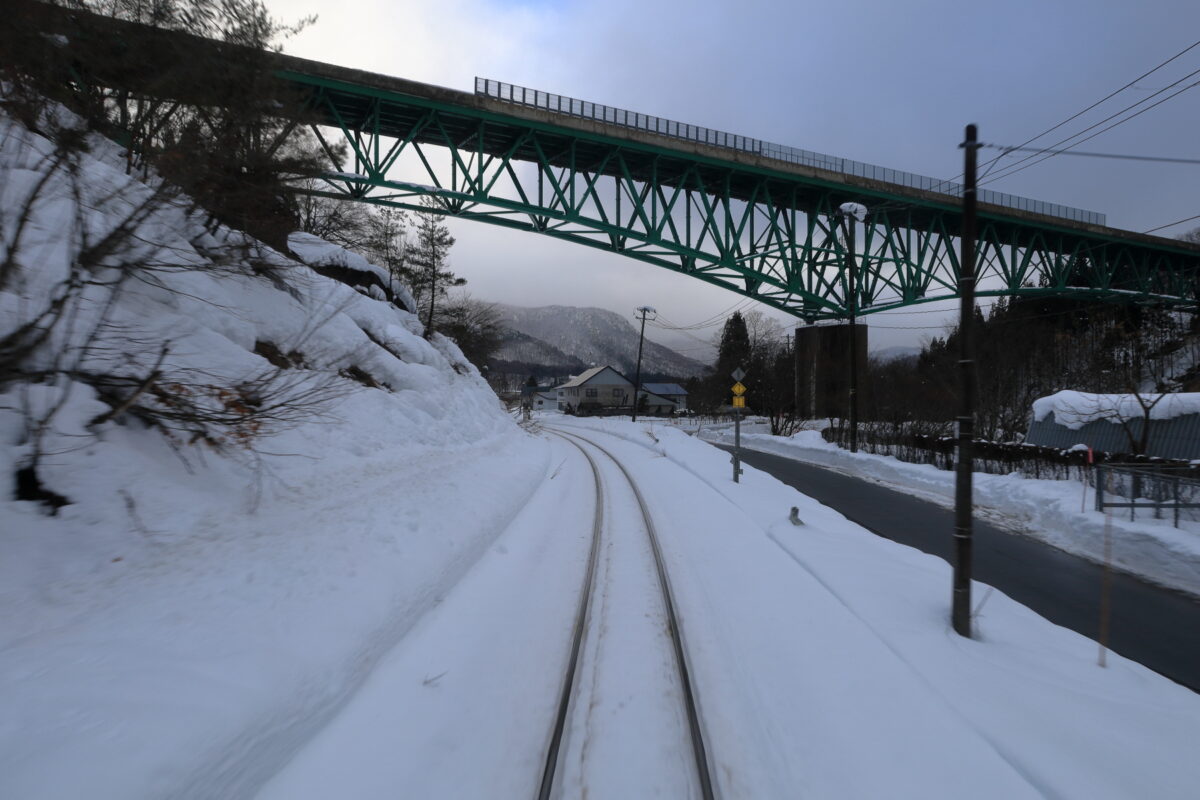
[220, 578]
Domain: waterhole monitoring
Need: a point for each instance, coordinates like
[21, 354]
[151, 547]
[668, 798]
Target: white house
[604, 388]
[545, 401]
[598, 387]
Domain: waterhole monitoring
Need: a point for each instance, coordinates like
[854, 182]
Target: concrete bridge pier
[823, 369]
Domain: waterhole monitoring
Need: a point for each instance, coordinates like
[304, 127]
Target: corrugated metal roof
[664, 388]
[1178, 437]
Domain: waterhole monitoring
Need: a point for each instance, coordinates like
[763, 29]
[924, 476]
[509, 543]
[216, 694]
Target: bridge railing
[548, 101]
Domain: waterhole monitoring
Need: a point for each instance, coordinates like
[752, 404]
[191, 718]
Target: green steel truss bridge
[752, 217]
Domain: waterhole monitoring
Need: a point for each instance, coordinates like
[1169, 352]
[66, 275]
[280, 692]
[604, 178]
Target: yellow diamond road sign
[738, 389]
[739, 402]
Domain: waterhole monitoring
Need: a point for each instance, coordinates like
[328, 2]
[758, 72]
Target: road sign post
[739, 402]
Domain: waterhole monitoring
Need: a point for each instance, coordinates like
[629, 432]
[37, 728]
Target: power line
[1172, 224]
[993, 321]
[1125, 156]
[710, 321]
[1012, 169]
[1104, 99]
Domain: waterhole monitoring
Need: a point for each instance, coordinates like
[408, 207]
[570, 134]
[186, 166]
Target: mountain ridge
[577, 337]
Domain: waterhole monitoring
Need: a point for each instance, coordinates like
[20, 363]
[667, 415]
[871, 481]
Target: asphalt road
[1153, 626]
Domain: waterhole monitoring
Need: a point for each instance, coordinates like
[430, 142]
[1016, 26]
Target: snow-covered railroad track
[592, 626]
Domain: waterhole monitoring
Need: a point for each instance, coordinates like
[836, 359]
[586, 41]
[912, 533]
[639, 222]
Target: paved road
[1153, 626]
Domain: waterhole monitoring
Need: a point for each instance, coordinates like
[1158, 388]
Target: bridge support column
[822, 369]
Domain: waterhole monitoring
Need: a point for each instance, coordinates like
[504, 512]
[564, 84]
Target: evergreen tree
[734, 350]
[427, 263]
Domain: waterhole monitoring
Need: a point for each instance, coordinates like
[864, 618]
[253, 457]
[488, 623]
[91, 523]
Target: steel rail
[695, 728]
[585, 594]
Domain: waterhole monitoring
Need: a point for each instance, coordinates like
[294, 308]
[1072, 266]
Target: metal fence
[548, 101]
[1153, 489]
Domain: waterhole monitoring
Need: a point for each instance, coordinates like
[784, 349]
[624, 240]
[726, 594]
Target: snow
[1073, 409]
[1043, 509]
[856, 210]
[826, 666]
[375, 600]
[318, 252]
[191, 616]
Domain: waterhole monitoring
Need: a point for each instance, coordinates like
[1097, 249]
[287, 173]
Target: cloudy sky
[890, 82]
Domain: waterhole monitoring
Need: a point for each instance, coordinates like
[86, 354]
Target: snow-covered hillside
[263, 474]
[595, 336]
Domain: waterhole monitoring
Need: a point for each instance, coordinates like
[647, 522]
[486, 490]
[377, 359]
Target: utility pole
[637, 376]
[849, 213]
[961, 607]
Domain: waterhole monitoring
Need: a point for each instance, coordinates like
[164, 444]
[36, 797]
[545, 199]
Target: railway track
[570, 692]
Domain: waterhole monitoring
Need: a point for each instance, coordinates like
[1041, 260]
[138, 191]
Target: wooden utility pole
[637, 375]
[961, 606]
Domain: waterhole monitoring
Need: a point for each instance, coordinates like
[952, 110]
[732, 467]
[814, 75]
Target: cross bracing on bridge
[535, 98]
[735, 219]
[757, 225]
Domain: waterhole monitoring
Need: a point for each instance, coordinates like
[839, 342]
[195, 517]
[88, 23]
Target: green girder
[764, 231]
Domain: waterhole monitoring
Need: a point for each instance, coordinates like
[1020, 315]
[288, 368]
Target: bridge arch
[751, 217]
[759, 226]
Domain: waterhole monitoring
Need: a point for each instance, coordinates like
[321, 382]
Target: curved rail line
[699, 750]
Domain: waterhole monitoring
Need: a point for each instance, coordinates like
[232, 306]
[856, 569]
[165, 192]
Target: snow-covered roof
[1075, 409]
[664, 388]
[584, 377]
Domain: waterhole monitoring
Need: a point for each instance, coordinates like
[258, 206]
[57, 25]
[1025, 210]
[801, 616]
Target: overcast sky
[886, 82]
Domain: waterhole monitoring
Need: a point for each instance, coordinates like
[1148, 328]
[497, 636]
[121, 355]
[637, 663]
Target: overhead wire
[1099, 102]
[1123, 156]
[954, 322]
[1172, 224]
[1016, 167]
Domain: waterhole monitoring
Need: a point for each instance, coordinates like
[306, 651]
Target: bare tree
[476, 326]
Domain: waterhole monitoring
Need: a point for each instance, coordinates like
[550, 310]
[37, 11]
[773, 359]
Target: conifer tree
[428, 263]
[734, 350]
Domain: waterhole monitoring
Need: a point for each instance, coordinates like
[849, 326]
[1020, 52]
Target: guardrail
[1154, 489]
[534, 98]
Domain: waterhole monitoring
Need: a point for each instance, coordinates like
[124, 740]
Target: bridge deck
[473, 125]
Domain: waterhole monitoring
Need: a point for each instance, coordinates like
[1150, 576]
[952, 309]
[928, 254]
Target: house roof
[664, 389]
[651, 397]
[584, 377]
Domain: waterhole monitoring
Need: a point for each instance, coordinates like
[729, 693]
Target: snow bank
[186, 621]
[1046, 510]
[318, 252]
[1075, 409]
